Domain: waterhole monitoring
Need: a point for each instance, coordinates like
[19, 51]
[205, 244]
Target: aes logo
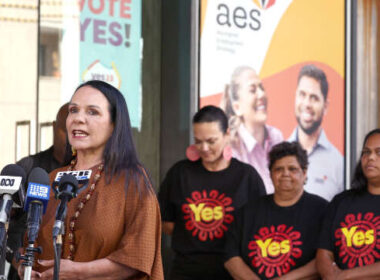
[238, 17]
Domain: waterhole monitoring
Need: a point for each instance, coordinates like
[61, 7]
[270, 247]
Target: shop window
[49, 53]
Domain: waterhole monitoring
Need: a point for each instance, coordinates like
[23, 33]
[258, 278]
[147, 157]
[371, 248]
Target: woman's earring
[73, 152]
[227, 152]
[192, 153]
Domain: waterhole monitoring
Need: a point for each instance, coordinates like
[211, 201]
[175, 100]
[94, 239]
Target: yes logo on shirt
[274, 250]
[357, 239]
[207, 214]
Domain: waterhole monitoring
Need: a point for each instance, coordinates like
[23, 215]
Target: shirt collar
[322, 139]
[249, 141]
[293, 136]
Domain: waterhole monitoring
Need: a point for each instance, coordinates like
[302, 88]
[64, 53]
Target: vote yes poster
[110, 48]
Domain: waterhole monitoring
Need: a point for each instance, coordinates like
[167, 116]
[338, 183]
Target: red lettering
[98, 7]
[96, 10]
[81, 4]
[125, 9]
[112, 4]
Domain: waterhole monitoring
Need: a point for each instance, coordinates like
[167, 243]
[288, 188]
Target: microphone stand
[35, 210]
[28, 259]
[5, 209]
[57, 241]
[65, 192]
[58, 231]
[3, 228]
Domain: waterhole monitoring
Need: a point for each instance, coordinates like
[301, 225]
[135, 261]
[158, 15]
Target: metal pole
[351, 111]
[38, 74]
[194, 62]
[28, 273]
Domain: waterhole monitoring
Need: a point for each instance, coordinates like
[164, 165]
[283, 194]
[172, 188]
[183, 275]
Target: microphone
[12, 180]
[67, 189]
[37, 198]
[82, 176]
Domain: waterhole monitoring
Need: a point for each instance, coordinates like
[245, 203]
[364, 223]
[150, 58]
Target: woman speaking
[350, 239]
[199, 198]
[112, 228]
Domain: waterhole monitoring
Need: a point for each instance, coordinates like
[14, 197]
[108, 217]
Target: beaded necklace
[82, 203]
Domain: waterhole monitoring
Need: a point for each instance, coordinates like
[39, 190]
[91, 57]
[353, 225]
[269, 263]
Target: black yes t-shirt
[202, 203]
[351, 229]
[273, 240]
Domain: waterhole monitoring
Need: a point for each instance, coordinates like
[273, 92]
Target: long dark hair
[359, 181]
[120, 156]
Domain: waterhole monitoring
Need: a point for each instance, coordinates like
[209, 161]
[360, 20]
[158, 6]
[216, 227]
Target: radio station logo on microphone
[207, 214]
[275, 249]
[357, 239]
[38, 190]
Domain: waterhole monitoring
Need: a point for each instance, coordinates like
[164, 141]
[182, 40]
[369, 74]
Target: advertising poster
[110, 48]
[277, 69]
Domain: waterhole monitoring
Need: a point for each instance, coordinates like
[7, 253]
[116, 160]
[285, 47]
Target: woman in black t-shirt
[199, 198]
[349, 245]
[277, 237]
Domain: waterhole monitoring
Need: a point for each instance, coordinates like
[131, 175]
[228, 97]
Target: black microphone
[10, 183]
[12, 180]
[37, 198]
[67, 189]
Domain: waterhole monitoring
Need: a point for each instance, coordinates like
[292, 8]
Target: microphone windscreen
[68, 179]
[38, 188]
[39, 175]
[16, 170]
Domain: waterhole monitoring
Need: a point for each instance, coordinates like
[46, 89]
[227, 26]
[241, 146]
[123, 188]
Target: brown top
[123, 229]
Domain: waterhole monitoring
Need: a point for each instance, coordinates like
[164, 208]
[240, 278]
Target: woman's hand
[98, 269]
[21, 270]
[67, 270]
